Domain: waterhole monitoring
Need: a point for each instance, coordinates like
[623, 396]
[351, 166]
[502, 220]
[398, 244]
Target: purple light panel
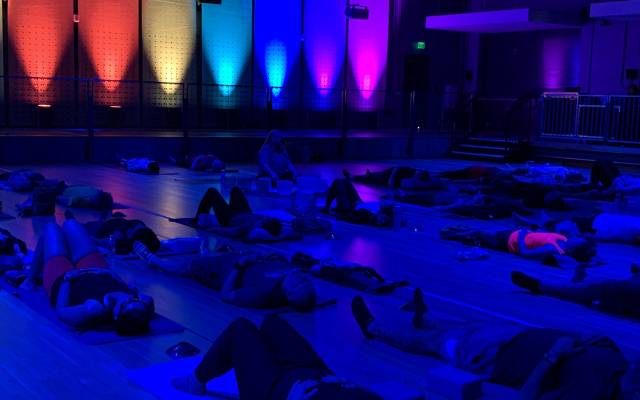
[560, 62]
[324, 42]
[368, 43]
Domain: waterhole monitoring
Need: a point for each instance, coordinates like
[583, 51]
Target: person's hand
[561, 349]
[302, 390]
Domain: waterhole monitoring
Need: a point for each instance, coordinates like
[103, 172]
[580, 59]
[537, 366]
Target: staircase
[486, 149]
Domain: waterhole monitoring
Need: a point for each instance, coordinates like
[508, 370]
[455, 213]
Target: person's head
[273, 226]
[299, 291]
[132, 314]
[275, 141]
[581, 249]
[630, 382]
[154, 166]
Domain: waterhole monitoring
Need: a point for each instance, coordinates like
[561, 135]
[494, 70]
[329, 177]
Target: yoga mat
[4, 216]
[120, 167]
[156, 380]
[37, 300]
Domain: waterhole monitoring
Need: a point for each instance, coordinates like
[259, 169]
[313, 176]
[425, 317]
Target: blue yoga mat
[156, 380]
[37, 300]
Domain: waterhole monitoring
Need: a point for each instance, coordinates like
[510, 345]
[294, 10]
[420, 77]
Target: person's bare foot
[189, 384]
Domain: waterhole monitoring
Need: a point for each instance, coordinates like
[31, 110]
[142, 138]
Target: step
[483, 147]
[462, 153]
[488, 140]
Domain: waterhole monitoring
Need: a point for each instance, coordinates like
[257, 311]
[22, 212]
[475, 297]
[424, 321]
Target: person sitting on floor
[237, 220]
[81, 286]
[274, 160]
[272, 361]
[141, 165]
[119, 234]
[244, 279]
[539, 363]
[614, 296]
[347, 200]
[549, 247]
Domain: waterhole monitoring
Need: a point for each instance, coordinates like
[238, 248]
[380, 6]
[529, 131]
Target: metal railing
[92, 104]
[610, 119]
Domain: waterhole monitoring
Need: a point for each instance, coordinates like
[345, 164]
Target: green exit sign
[420, 45]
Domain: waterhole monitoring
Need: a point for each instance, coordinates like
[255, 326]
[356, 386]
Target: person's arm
[264, 165]
[242, 297]
[80, 315]
[533, 387]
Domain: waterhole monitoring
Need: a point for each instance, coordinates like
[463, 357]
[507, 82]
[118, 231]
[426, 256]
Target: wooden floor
[39, 361]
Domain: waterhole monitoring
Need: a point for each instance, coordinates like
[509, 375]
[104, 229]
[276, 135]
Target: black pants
[382, 178]
[261, 357]
[498, 240]
[238, 204]
[344, 194]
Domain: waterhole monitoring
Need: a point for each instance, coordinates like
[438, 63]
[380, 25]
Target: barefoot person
[539, 363]
[274, 160]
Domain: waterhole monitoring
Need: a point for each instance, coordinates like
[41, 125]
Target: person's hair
[147, 237]
[273, 226]
[133, 317]
[581, 249]
[299, 290]
[154, 166]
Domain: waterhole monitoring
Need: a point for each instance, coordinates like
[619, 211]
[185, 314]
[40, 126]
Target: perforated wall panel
[108, 32]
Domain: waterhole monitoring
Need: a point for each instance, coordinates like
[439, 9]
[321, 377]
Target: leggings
[498, 240]
[262, 358]
[344, 194]
[238, 204]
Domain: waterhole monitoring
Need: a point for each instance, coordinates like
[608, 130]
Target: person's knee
[242, 325]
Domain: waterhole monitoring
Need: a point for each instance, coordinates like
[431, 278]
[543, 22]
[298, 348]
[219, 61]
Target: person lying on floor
[212, 270]
[143, 165]
[347, 199]
[350, 275]
[271, 362]
[405, 178]
[540, 363]
[614, 296]
[274, 160]
[244, 279]
[12, 251]
[80, 285]
[85, 196]
[236, 219]
[602, 226]
[549, 247]
[485, 207]
[201, 162]
[25, 180]
[119, 234]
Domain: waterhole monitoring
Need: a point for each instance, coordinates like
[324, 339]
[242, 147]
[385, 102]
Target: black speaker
[416, 72]
[631, 74]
